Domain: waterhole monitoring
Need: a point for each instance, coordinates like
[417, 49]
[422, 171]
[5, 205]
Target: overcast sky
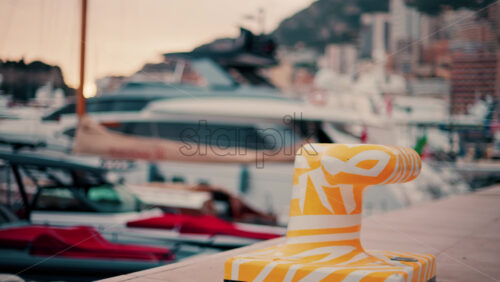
[123, 34]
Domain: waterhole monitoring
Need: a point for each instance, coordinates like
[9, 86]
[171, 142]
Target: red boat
[39, 252]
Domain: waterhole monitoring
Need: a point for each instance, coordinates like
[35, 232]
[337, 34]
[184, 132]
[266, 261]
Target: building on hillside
[474, 77]
[494, 18]
[474, 68]
[299, 64]
[436, 56]
[339, 58]
[405, 24]
[411, 32]
[374, 35]
[429, 87]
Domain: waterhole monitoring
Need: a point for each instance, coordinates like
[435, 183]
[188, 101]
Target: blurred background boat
[221, 91]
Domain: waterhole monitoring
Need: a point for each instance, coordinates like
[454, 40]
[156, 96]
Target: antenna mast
[80, 99]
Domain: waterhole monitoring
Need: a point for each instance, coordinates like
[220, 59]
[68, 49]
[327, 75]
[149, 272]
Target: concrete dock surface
[462, 231]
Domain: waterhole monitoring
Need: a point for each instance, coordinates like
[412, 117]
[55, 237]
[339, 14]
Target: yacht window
[99, 105]
[110, 198]
[129, 105]
[77, 190]
[56, 115]
[116, 105]
[221, 135]
[59, 199]
[70, 132]
[143, 129]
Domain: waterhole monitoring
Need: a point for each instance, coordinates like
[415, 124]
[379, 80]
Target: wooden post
[80, 99]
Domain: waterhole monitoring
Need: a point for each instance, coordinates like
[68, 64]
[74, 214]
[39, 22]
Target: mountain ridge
[325, 22]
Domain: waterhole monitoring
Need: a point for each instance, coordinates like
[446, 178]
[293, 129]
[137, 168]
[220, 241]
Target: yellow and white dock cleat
[323, 236]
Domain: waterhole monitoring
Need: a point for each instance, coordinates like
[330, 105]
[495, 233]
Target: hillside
[22, 79]
[326, 21]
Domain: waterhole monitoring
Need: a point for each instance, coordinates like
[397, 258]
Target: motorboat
[264, 120]
[70, 192]
[200, 199]
[35, 251]
[39, 252]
